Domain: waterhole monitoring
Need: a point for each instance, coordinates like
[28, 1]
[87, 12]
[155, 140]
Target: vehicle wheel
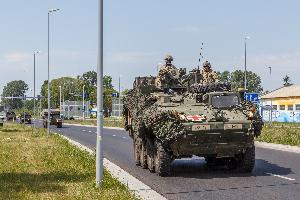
[210, 161]
[162, 160]
[247, 160]
[150, 157]
[136, 151]
[143, 156]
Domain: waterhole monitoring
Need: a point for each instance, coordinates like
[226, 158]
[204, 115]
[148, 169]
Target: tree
[286, 81]
[224, 76]
[89, 79]
[71, 90]
[15, 88]
[237, 80]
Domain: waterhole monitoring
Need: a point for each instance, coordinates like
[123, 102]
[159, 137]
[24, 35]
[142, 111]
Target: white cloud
[16, 57]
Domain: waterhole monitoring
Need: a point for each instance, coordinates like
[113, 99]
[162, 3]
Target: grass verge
[35, 166]
[280, 135]
[108, 122]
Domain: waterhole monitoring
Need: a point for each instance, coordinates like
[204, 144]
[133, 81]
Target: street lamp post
[60, 109]
[48, 121]
[99, 153]
[119, 98]
[83, 103]
[34, 65]
[246, 38]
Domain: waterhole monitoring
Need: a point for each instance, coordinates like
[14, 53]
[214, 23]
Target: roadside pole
[34, 114]
[83, 106]
[99, 153]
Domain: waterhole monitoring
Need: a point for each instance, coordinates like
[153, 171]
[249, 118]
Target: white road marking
[84, 130]
[90, 131]
[114, 135]
[124, 137]
[287, 178]
[140, 189]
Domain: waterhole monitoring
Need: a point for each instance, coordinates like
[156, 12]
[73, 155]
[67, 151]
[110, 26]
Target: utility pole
[99, 152]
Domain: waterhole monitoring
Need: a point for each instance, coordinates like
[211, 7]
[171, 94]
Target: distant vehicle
[55, 118]
[26, 119]
[68, 118]
[2, 115]
[11, 116]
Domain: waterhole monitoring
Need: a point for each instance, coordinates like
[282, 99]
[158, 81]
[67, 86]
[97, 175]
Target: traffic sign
[251, 97]
[115, 94]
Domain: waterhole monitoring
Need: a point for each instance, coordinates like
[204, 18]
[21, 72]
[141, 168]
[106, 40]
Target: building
[283, 103]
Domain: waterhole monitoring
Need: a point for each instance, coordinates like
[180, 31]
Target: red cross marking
[195, 118]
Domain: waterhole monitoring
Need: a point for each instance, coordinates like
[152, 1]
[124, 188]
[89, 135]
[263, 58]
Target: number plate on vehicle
[200, 127]
[232, 126]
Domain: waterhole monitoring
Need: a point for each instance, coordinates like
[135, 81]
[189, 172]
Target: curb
[279, 147]
[139, 189]
[92, 126]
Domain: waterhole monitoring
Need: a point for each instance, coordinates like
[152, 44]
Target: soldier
[208, 75]
[168, 75]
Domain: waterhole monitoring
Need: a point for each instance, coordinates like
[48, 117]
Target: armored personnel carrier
[208, 121]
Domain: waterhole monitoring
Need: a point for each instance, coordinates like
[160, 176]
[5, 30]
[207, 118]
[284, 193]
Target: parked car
[11, 116]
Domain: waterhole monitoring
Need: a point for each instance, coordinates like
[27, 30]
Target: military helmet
[168, 58]
[206, 64]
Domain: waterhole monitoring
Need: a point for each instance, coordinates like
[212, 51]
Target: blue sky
[138, 33]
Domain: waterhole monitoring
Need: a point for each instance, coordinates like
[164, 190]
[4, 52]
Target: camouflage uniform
[168, 75]
[208, 75]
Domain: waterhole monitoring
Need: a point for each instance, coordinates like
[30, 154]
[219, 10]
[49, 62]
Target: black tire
[143, 156]
[247, 160]
[210, 161]
[162, 160]
[150, 163]
[136, 151]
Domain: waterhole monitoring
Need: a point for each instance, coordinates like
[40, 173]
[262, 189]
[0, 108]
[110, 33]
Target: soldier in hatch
[168, 75]
[208, 75]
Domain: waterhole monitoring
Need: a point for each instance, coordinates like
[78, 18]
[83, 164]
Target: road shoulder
[139, 188]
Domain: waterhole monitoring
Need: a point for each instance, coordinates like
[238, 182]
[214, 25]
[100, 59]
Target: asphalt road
[276, 174]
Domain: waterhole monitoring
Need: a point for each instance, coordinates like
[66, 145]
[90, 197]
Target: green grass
[35, 166]
[280, 135]
[286, 124]
[108, 122]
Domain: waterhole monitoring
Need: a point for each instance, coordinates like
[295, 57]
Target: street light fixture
[246, 38]
[49, 12]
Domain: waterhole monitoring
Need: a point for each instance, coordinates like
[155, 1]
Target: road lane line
[124, 137]
[90, 131]
[84, 130]
[114, 135]
[279, 176]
